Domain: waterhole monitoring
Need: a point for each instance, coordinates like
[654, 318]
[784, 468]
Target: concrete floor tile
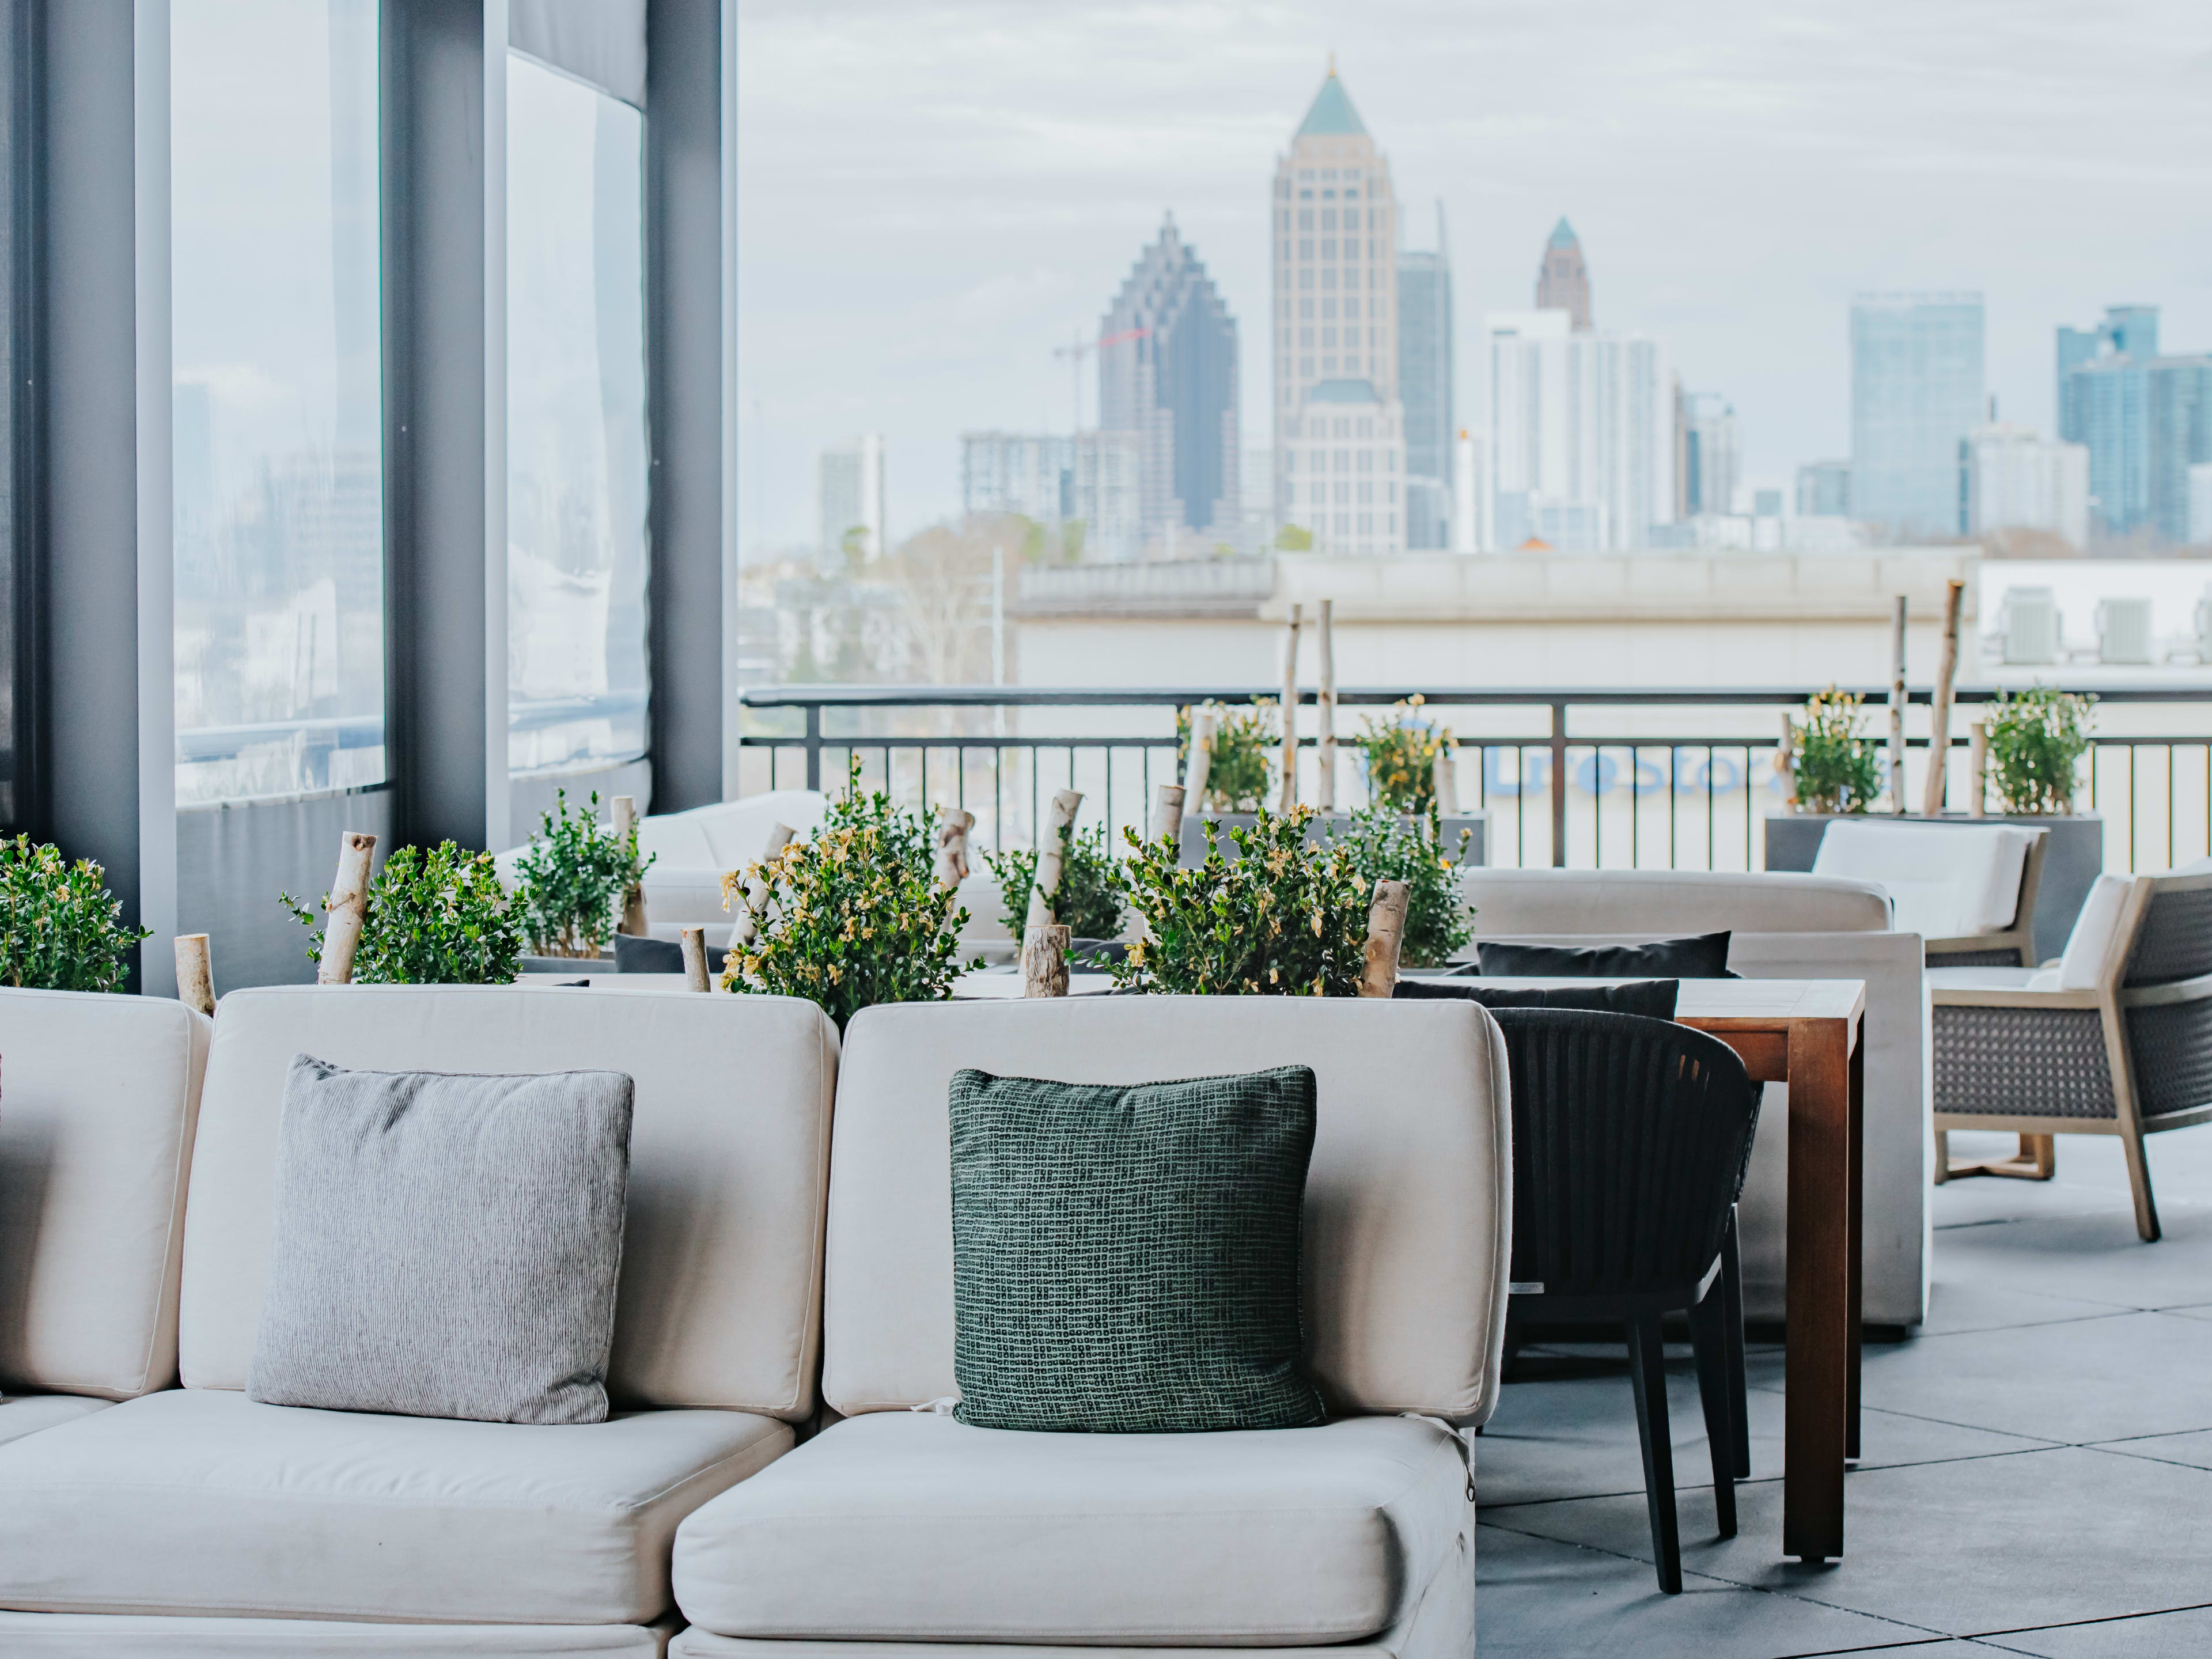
[2158, 1635]
[2194, 1449]
[1537, 1599]
[1958, 1305]
[1961, 1548]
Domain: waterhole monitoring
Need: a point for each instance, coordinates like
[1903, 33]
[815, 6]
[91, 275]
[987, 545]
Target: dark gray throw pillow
[446, 1244]
[1703, 957]
[1125, 1257]
[1654, 999]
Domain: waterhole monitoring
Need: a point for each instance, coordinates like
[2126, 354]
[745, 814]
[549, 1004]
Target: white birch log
[952, 827]
[1200, 767]
[1897, 802]
[1386, 936]
[633, 911]
[694, 941]
[1167, 815]
[1444, 779]
[1786, 764]
[347, 908]
[779, 837]
[1044, 891]
[1044, 960]
[1939, 724]
[195, 975]
[1325, 707]
[1288, 797]
[1977, 770]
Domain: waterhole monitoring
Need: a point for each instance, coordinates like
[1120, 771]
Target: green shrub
[60, 928]
[854, 916]
[436, 917]
[1401, 757]
[1089, 903]
[574, 880]
[2036, 741]
[1282, 920]
[1391, 846]
[1236, 778]
[1839, 768]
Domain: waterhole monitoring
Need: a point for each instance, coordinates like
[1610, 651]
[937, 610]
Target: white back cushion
[720, 1283]
[676, 842]
[1947, 880]
[1659, 903]
[97, 1095]
[1409, 1200]
[2081, 967]
[737, 831]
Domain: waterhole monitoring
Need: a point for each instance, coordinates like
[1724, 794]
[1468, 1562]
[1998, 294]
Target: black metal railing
[1586, 776]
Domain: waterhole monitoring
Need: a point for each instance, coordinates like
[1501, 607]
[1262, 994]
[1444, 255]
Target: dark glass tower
[1424, 385]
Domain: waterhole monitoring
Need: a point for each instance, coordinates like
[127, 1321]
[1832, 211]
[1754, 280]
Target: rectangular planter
[1194, 833]
[2072, 858]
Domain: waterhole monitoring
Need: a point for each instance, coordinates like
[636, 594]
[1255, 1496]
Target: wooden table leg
[1858, 1238]
[1817, 1358]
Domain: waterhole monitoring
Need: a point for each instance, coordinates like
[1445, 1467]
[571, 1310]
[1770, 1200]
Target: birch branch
[1897, 803]
[1051, 852]
[694, 941]
[1386, 936]
[1325, 746]
[952, 827]
[195, 975]
[1939, 728]
[1199, 768]
[633, 912]
[1044, 960]
[347, 909]
[1167, 815]
[755, 896]
[1289, 796]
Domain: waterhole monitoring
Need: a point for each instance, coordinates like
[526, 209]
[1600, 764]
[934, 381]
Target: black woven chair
[1631, 1137]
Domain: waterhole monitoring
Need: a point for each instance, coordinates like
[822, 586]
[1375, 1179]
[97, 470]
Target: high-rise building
[1333, 219]
[1918, 388]
[2013, 478]
[1167, 370]
[2146, 418]
[1711, 458]
[1582, 433]
[1424, 385]
[1092, 479]
[849, 496]
[1824, 489]
[1563, 279]
[2200, 504]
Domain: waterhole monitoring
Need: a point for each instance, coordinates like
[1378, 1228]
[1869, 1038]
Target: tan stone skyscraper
[1335, 332]
[1562, 280]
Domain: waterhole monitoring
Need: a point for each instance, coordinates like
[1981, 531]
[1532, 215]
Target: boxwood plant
[574, 878]
[1090, 902]
[436, 917]
[60, 928]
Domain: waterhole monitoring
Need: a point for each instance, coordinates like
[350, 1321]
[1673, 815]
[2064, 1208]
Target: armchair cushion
[1947, 880]
[907, 1525]
[2081, 967]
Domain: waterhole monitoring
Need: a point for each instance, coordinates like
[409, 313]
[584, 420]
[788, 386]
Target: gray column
[685, 349]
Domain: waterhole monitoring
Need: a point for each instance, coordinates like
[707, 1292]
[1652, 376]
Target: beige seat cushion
[1407, 1199]
[200, 1500]
[116, 1636]
[95, 1134]
[719, 1301]
[22, 1414]
[913, 1525]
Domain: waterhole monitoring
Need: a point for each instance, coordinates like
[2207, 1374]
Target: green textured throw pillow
[1125, 1256]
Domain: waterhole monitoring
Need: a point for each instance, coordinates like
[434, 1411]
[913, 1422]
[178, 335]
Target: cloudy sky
[934, 196]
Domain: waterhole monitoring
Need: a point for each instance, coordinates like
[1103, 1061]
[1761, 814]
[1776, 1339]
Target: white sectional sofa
[97, 1099]
[693, 850]
[898, 1530]
[1785, 926]
[195, 1520]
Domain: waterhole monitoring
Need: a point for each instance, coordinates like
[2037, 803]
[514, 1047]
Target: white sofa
[693, 850]
[95, 1131]
[193, 1520]
[1785, 926]
[899, 1530]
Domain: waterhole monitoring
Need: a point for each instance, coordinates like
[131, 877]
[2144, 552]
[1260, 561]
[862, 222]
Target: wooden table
[1803, 1032]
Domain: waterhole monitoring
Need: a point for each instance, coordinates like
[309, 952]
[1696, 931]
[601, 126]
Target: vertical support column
[685, 398]
[1559, 785]
[155, 463]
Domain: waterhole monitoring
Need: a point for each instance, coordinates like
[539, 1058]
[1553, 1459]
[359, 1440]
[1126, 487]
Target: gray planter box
[2072, 858]
[1194, 833]
[581, 967]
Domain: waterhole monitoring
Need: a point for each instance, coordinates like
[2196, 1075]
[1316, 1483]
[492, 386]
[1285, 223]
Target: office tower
[2013, 478]
[1167, 370]
[1470, 491]
[1335, 325]
[1562, 280]
[1711, 458]
[849, 496]
[1424, 385]
[1092, 479]
[1582, 435]
[1824, 489]
[1256, 491]
[2200, 504]
[2146, 418]
[1916, 389]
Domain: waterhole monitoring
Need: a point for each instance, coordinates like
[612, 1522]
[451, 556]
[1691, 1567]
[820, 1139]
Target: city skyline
[1736, 205]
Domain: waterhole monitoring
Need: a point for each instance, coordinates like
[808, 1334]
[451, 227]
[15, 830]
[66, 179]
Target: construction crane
[1075, 354]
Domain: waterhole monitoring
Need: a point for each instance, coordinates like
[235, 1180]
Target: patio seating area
[2036, 1474]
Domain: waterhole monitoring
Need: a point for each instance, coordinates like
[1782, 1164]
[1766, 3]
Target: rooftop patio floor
[2037, 1468]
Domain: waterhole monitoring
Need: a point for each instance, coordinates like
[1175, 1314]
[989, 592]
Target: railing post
[814, 746]
[1559, 784]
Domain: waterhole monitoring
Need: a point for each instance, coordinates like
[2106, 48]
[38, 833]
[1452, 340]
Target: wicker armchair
[2118, 1042]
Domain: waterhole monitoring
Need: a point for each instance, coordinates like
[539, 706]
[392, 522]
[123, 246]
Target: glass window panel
[279, 497]
[575, 424]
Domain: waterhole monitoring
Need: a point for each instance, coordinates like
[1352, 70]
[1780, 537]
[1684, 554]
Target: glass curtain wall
[575, 432]
[279, 508]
